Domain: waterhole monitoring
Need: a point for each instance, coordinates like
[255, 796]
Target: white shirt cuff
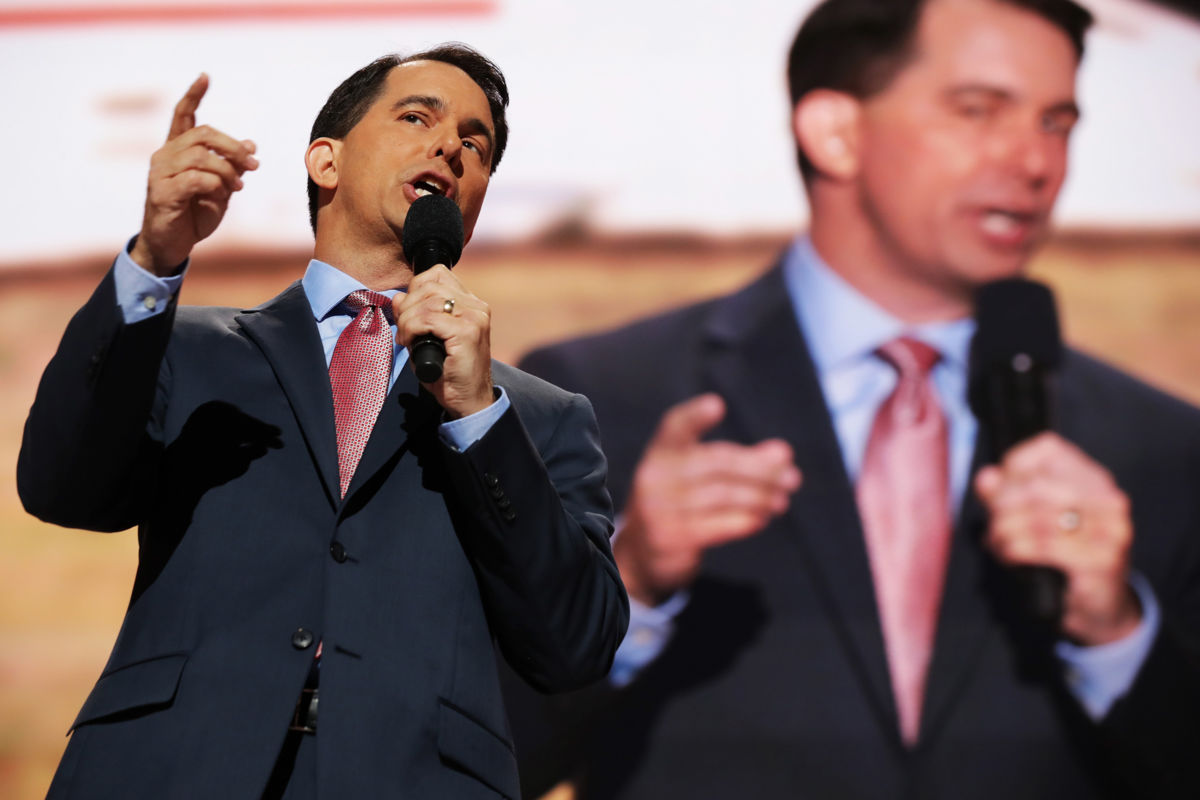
[465, 431]
[1099, 676]
[141, 295]
[650, 628]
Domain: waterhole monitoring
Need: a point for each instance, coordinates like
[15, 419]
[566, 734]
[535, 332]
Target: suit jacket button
[302, 639]
[504, 503]
[509, 515]
[338, 551]
[490, 479]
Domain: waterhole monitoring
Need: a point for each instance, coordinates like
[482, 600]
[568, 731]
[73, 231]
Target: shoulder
[528, 388]
[204, 322]
[1121, 396]
[1123, 417]
[200, 332]
[536, 398]
[202, 318]
[650, 347]
[550, 415]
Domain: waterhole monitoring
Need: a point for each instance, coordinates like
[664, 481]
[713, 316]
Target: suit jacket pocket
[471, 748]
[125, 689]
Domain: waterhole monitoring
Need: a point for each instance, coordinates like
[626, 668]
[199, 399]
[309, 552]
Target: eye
[479, 147]
[413, 117]
[1058, 124]
[976, 105]
[976, 110]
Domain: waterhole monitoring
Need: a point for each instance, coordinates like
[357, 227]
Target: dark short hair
[349, 102]
[859, 46]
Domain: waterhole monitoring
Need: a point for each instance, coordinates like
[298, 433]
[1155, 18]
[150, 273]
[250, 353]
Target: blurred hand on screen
[689, 495]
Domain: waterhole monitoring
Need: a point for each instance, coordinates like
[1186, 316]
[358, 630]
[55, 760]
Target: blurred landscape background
[648, 166]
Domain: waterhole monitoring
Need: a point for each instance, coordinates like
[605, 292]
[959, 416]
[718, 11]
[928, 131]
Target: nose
[1036, 159]
[447, 145]
[1032, 153]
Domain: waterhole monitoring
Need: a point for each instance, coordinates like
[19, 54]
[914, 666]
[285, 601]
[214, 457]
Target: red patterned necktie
[903, 497]
[359, 372]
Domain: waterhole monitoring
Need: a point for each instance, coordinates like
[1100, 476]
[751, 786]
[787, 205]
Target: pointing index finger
[685, 423]
[185, 110]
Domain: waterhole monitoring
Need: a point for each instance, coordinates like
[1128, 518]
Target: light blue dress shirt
[843, 330]
[142, 295]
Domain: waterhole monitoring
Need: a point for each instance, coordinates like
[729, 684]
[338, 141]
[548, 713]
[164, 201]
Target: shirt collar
[326, 287]
[843, 327]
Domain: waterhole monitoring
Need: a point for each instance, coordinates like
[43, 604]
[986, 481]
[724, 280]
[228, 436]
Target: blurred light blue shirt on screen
[843, 330]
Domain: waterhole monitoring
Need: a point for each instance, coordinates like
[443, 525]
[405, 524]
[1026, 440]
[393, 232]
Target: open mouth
[428, 186]
[1001, 222]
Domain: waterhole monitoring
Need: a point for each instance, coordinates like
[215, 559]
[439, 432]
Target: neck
[378, 269]
[853, 249]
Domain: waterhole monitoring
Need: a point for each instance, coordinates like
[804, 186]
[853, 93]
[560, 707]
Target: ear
[826, 126]
[321, 159]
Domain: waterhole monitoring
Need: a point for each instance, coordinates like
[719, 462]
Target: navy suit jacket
[775, 683]
[211, 430]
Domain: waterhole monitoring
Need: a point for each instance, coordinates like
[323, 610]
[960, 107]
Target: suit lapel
[761, 365]
[975, 603]
[966, 617]
[284, 329]
[408, 415]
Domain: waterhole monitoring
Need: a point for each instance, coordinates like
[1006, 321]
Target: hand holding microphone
[433, 235]
[446, 328]
[1057, 518]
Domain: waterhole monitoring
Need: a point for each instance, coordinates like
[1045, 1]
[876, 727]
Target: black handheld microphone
[1014, 355]
[433, 234]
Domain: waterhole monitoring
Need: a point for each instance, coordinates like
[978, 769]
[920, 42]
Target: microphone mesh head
[433, 219]
[1015, 318]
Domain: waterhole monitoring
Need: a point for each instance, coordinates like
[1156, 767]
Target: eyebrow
[473, 125]
[1061, 107]
[429, 101]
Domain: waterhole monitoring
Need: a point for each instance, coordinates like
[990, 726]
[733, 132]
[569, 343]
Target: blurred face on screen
[961, 157]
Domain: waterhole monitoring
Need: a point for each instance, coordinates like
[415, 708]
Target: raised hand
[192, 177]
[690, 495]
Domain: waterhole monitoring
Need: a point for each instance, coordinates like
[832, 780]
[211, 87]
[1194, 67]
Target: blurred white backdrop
[627, 115]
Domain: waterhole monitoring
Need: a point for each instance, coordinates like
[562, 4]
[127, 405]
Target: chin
[985, 265]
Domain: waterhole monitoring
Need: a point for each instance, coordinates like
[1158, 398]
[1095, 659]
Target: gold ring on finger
[1069, 520]
[448, 305]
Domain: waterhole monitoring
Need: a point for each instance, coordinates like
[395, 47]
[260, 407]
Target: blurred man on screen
[815, 551]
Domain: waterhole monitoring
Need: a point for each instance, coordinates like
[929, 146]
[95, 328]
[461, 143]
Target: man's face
[429, 131]
[962, 156]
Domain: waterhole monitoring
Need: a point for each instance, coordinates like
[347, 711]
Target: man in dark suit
[766, 657]
[289, 564]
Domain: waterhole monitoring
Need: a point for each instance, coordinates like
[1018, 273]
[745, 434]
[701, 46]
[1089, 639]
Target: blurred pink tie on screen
[903, 497]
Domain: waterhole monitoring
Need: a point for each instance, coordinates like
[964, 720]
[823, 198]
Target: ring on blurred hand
[448, 306]
[1069, 521]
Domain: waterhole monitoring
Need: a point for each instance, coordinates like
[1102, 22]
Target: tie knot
[363, 298]
[911, 358]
